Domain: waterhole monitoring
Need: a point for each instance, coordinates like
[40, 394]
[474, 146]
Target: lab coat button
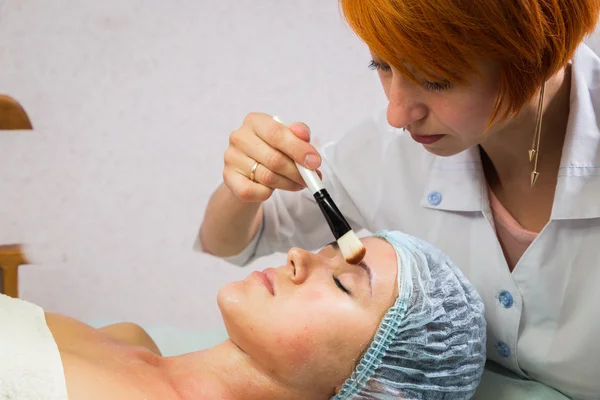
[503, 349]
[505, 299]
[434, 198]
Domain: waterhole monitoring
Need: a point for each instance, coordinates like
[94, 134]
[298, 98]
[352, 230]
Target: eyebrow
[361, 264]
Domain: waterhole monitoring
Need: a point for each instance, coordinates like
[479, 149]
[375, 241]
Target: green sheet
[174, 341]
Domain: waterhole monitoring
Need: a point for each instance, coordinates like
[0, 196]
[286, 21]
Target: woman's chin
[443, 151]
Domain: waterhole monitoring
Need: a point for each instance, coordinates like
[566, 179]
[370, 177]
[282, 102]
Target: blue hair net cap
[431, 343]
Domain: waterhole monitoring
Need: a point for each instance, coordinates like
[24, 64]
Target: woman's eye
[379, 66]
[428, 85]
[436, 86]
[340, 286]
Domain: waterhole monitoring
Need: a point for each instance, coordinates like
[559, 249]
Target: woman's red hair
[531, 40]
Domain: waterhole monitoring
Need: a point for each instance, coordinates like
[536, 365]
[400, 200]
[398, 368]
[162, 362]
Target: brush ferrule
[338, 224]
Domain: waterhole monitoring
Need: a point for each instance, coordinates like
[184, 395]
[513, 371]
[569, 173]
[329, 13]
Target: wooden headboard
[13, 115]
[11, 257]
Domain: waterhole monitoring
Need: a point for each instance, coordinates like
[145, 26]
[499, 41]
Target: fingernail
[311, 161]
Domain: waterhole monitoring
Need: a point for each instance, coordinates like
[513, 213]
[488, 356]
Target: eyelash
[376, 65]
[339, 285]
[436, 86]
[429, 86]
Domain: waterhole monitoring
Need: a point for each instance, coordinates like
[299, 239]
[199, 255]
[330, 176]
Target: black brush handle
[338, 224]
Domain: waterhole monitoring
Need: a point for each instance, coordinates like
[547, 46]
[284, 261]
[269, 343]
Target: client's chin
[234, 305]
[230, 298]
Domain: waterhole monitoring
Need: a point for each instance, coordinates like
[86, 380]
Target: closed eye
[340, 286]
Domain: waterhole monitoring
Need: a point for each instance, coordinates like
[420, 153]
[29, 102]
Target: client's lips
[266, 278]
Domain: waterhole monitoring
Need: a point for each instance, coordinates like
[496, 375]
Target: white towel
[30, 364]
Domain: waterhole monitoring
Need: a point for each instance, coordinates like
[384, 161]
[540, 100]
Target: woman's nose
[404, 107]
[301, 262]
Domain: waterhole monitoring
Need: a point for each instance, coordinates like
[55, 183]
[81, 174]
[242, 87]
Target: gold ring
[253, 172]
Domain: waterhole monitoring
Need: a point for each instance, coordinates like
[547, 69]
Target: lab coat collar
[457, 183]
[578, 189]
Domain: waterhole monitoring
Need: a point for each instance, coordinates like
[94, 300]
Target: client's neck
[224, 372]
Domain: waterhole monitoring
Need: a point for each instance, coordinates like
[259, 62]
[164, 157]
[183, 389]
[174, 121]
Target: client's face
[308, 322]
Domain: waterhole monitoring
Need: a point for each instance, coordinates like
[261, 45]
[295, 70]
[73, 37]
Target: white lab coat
[544, 317]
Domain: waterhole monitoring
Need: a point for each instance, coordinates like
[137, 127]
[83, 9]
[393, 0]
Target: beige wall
[133, 102]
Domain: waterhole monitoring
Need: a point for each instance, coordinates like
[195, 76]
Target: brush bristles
[352, 248]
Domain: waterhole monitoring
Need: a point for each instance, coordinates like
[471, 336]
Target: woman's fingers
[266, 177]
[245, 189]
[262, 156]
[281, 138]
[301, 130]
[274, 160]
[244, 165]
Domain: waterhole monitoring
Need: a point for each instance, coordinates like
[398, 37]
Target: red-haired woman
[489, 149]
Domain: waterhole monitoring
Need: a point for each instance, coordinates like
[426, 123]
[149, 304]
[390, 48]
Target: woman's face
[445, 119]
[308, 322]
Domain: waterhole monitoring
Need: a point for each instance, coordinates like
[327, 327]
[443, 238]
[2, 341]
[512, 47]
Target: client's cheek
[301, 340]
[315, 296]
[316, 317]
[299, 346]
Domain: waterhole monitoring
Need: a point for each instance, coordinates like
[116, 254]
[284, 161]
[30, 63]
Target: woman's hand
[261, 155]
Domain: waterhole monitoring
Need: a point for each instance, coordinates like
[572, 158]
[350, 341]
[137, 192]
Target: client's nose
[300, 261]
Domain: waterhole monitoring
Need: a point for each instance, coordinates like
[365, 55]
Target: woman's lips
[266, 279]
[426, 139]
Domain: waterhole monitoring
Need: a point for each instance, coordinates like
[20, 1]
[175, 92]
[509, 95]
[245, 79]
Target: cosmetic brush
[350, 245]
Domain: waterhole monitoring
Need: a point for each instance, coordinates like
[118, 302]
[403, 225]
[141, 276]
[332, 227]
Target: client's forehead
[381, 260]
[379, 251]
[380, 256]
